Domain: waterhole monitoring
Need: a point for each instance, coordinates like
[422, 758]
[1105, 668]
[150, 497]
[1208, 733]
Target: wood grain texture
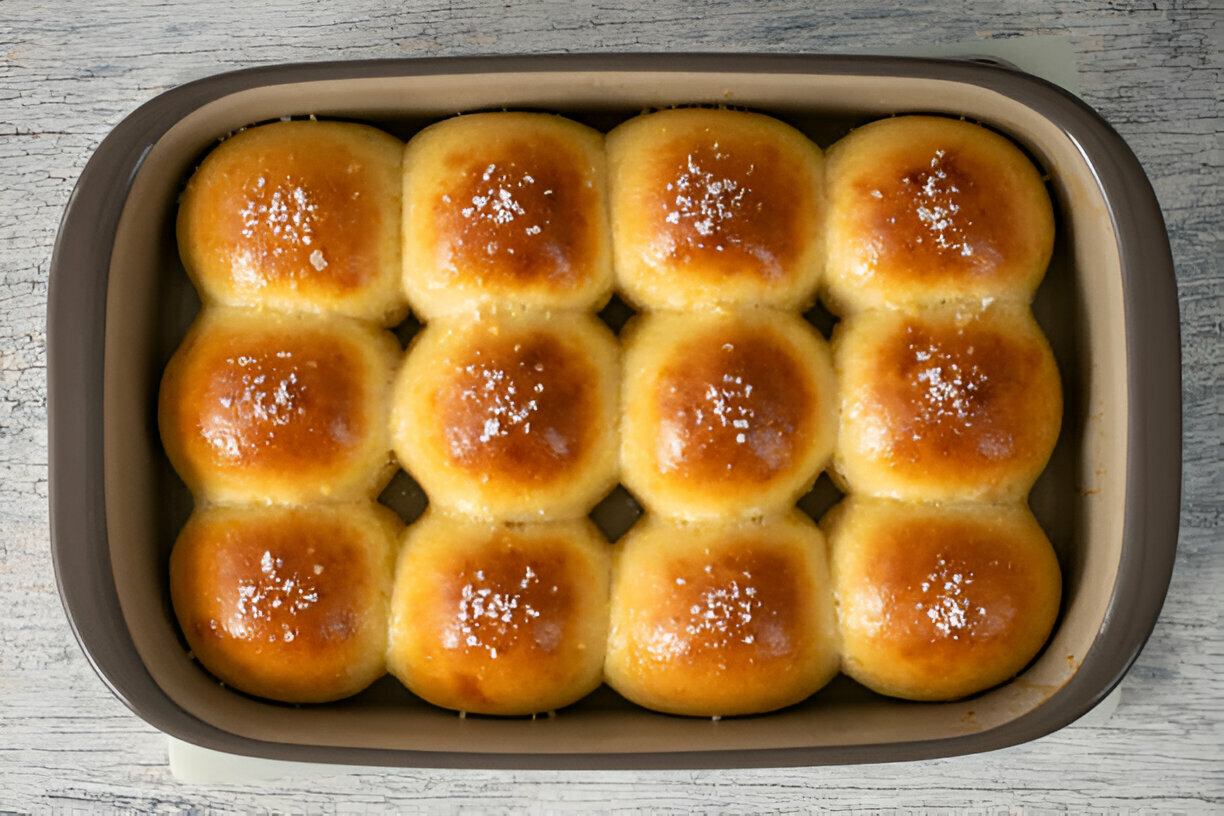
[69, 72]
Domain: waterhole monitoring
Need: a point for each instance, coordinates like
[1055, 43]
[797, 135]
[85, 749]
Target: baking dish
[119, 303]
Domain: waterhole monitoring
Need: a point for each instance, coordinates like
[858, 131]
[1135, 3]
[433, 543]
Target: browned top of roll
[931, 216]
[734, 404]
[955, 392]
[291, 202]
[257, 395]
[522, 405]
[287, 603]
[952, 398]
[737, 606]
[937, 602]
[731, 201]
[521, 211]
[288, 579]
[277, 397]
[926, 207]
[721, 618]
[506, 602]
[500, 619]
[512, 198]
[949, 580]
[721, 193]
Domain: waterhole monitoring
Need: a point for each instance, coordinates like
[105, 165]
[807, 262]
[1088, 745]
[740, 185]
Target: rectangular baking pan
[119, 303]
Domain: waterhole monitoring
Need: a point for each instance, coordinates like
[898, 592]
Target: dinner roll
[270, 407]
[287, 603]
[715, 207]
[506, 208]
[298, 216]
[721, 619]
[936, 602]
[500, 619]
[924, 209]
[510, 416]
[725, 413]
[944, 404]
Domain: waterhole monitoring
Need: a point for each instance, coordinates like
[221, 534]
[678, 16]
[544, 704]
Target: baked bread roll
[510, 416]
[298, 216]
[937, 602]
[715, 207]
[287, 603]
[506, 208]
[721, 619]
[500, 619]
[726, 413]
[289, 408]
[925, 209]
[942, 404]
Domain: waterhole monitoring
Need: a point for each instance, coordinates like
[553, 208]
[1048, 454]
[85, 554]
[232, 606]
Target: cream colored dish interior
[1078, 500]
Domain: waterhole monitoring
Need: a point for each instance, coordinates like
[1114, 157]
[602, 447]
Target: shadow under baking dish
[1084, 500]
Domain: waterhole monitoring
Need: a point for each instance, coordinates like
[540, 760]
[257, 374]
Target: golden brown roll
[510, 416]
[721, 619]
[287, 408]
[923, 209]
[500, 619]
[939, 602]
[726, 413]
[298, 216]
[287, 603]
[944, 404]
[505, 208]
[715, 207]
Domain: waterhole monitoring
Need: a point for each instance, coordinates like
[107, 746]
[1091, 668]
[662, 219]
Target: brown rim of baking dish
[1149, 484]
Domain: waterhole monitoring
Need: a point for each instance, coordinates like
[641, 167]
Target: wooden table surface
[70, 71]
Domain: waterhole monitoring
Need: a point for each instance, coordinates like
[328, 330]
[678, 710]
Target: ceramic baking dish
[120, 302]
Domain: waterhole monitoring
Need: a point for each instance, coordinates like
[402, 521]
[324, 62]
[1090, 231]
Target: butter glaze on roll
[500, 619]
[507, 209]
[944, 404]
[726, 413]
[298, 216]
[262, 407]
[924, 209]
[721, 619]
[510, 416]
[715, 207]
[939, 602]
[287, 603]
